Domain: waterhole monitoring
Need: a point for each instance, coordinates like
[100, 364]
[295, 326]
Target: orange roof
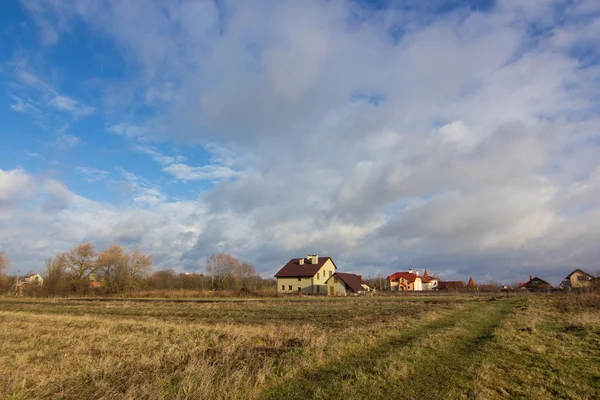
[472, 283]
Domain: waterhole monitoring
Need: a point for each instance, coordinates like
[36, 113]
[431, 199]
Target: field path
[428, 361]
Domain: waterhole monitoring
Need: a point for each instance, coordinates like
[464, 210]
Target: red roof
[444, 285]
[407, 276]
[293, 268]
[353, 281]
[472, 284]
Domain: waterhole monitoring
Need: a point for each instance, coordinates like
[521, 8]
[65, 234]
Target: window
[299, 289]
[330, 273]
[282, 287]
[299, 279]
[290, 287]
[317, 289]
[317, 275]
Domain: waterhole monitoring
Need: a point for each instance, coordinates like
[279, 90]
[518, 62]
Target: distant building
[343, 284]
[577, 279]
[451, 285]
[400, 281]
[34, 279]
[472, 285]
[535, 285]
[305, 275]
[429, 282]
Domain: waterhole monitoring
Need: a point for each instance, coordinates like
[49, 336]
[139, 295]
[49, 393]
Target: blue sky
[461, 136]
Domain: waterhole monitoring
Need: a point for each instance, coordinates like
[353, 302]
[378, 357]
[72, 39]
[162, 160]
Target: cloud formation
[464, 140]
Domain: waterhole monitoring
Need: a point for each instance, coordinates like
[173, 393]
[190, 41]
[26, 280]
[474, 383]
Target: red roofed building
[429, 282]
[400, 281]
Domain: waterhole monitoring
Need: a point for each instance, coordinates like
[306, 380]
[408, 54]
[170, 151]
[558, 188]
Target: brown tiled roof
[472, 284]
[451, 285]
[353, 281]
[293, 268]
[530, 283]
[406, 275]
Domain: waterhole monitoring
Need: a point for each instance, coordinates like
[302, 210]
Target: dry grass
[296, 348]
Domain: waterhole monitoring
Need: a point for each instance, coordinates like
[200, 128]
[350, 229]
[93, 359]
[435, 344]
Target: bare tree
[247, 275]
[55, 277]
[81, 261]
[140, 264]
[112, 266]
[222, 267]
[4, 262]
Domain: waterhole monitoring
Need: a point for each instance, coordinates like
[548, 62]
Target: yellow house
[342, 284]
[578, 279]
[305, 275]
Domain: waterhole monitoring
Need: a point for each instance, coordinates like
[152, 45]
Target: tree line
[83, 270]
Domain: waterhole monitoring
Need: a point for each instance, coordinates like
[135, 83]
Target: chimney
[360, 277]
[417, 272]
[530, 277]
[410, 270]
[315, 259]
[301, 261]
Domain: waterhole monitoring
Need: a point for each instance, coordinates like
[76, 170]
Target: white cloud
[206, 172]
[92, 174]
[474, 161]
[14, 182]
[64, 103]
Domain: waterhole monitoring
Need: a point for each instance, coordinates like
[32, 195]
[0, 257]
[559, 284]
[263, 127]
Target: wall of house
[313, 285]
[576, 283]
[339, 287]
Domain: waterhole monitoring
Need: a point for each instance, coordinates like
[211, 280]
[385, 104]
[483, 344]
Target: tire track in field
[433, 377]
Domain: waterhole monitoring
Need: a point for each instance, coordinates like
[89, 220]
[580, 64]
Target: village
[316, 275]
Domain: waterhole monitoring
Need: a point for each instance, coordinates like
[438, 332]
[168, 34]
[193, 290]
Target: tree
[81, 261]
[247, 275]
[4, 262]
[55, 279]
[140, 264]
[222, 267]
[121, 270]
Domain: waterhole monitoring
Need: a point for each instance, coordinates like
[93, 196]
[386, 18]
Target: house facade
[577, 279]
[429, 282]
[452, 286]
[34, 279]
[535, 284]
[343, 284]
[401, 281]
[305, 275]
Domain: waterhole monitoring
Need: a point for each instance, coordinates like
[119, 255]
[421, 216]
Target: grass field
[405, 348]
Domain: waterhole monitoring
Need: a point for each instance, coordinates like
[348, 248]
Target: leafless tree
[222, 267]
[81, 261]
[4, 262]
[246, 274]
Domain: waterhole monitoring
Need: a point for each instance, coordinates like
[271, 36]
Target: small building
[96, 285]
[401, 281]
[305, 275]
[472, 285]
[343, 284]
[536, 284]
[451, 286]
[429, 282]
[577, 279]
[34, 279]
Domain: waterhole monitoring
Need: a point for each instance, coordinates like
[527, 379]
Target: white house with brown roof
[343, 284]
[305, 275]
[429, 282]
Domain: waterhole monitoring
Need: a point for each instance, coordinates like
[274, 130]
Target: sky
[461, 136]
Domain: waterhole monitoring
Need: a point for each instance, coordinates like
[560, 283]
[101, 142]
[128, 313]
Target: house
[400, 281]
[472, 285]
[343, 284]
[429, 282]
[34, 279]
[535, 285]
[577, 279]
[454, 286]
[305, 275]
[96, 285]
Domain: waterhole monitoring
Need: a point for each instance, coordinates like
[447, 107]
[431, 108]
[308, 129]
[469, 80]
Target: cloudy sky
[462, 136]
